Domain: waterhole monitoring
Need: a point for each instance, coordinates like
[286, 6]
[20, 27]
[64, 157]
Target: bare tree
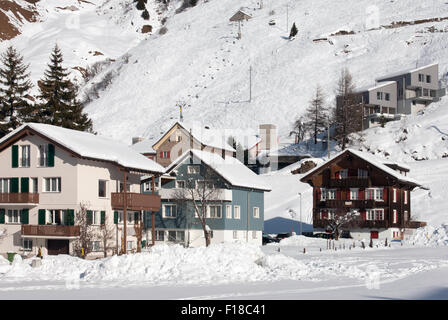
[348, 114]
[138, 227]
[299, 130]
[82, 246]
[336, 223]
[200, 193]
[107, 233]
[317, 114]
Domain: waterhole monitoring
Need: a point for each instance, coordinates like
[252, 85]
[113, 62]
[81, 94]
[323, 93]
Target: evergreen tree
[14, 86]
[316, 114]
[294, 31]
[145, 14]
[141, 4]
[60, 106]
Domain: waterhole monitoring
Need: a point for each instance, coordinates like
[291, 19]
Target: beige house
[48, 174]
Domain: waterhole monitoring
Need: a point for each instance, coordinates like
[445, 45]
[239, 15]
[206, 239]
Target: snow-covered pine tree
[14, 86]
[58, 95]
[294, 31]
[316, 116]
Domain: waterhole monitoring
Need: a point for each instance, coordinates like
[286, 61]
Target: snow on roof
[374, 87]
[231, 169]
[144, 146]
[372, 160]
[406, 71]
[92, 146]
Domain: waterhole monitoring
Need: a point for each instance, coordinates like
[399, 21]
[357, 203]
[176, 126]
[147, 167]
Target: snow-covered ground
[240, 271]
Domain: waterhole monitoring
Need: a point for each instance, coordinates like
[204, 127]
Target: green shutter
[2, 216]
[41, 218]
[103, 217]
[50, 158]
[89, 217]
[15, 156]
[70, 217]
[24, 185]
[24, 216]
[116, 217]
[136, 214]
[14, 185]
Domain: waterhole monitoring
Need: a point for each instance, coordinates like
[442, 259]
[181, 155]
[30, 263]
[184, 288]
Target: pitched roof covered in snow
[378, 163]
[230, 169]
[87, 145]
[144, 146]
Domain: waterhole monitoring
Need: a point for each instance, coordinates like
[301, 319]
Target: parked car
[323, 235]
[281, 236]
[269, 239]
[345, 235]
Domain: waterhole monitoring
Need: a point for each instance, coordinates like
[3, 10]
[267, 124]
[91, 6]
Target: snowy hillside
[200, 61]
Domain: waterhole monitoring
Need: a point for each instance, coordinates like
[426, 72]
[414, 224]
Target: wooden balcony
[415, 224]
[19, 198]
[136, 201]
[51, 231]
[349, 183]
[352, 204]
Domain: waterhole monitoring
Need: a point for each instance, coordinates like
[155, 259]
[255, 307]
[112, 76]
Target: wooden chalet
[380, 192]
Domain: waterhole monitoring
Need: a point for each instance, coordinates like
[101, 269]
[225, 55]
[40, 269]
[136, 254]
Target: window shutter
[161, 154]
[363, 215]
[338, 195]
[103, 217]
[24, 216]
[2, 216]
[50, 158]
[361, 194]
[168, 155]
[136, 216]
[89, 217]
[41, 217]
[70, 217]
[115, 217]
[15, 156]
[319, 195]
[24, 185]
[385, 194]
[14, 185]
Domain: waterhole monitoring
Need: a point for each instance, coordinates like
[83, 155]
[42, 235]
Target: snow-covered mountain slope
[201, 61]
[86, 31]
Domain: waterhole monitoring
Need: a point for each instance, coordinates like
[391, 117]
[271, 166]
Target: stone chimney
[268, 135]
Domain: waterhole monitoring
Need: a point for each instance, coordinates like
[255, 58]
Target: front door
[56, 247]
[373, 234]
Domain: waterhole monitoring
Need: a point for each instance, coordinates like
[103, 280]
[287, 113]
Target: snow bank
[431, 236]
[303, 241]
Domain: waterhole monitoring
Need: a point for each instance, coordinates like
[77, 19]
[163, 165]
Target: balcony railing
[19, 198]
[354, 204]
[349, 182]
[136, 201]
[415, 224]
[50, 231]
[176, 193]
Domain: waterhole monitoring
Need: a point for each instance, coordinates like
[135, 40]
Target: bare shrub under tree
[107, 234]
[86, 232]
[336, 223]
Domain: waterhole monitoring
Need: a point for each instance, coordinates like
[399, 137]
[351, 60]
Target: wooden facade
[352, 183]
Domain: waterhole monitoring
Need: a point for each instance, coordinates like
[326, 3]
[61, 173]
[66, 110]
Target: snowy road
[379, 273]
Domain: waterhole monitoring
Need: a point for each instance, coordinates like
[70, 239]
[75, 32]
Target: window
[43, 155]
[160, 235]
[27, 244]
[374, 194]
[180, 236]
[378, 194]
[130, 217]
[428, 79]
[331, 195]
[34, 185]
[180, 184]
[323, 194]
[387, 96]
[193, 169]
[171, 235]
[370, 194]
[331, 214]
[169, 211]
[102, 188]
[52, 184]
[353, 194]
[228, 211]
[13, 216]
[256, 212]
[128, 187]
[236, 211]
[56, 217]
[95, 246]
[405, 193]
[421, 77]
[375, 214]
[24, 156]
[362, 173]
[343, 174]
[130, 245]
[235, 234]
[394, 195]
[204, 184]
[96, 217]
[147, 187]
[425, 92]
[215, 212]
[395, 216]
[379, 95]
[4, 185]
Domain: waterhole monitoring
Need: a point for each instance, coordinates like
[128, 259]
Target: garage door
[56, 247]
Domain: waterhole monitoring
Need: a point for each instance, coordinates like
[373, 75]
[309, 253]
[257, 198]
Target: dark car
[345, 235]
[323, 235]
[282, 236]
[268, 239]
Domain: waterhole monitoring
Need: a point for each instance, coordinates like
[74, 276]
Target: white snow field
[238, 271]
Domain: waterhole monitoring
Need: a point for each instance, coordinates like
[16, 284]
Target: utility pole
[300, 216]
[328, 138]
[250, 84]
[239, 30]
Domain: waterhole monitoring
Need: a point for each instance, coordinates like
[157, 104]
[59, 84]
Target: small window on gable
[193, 169]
